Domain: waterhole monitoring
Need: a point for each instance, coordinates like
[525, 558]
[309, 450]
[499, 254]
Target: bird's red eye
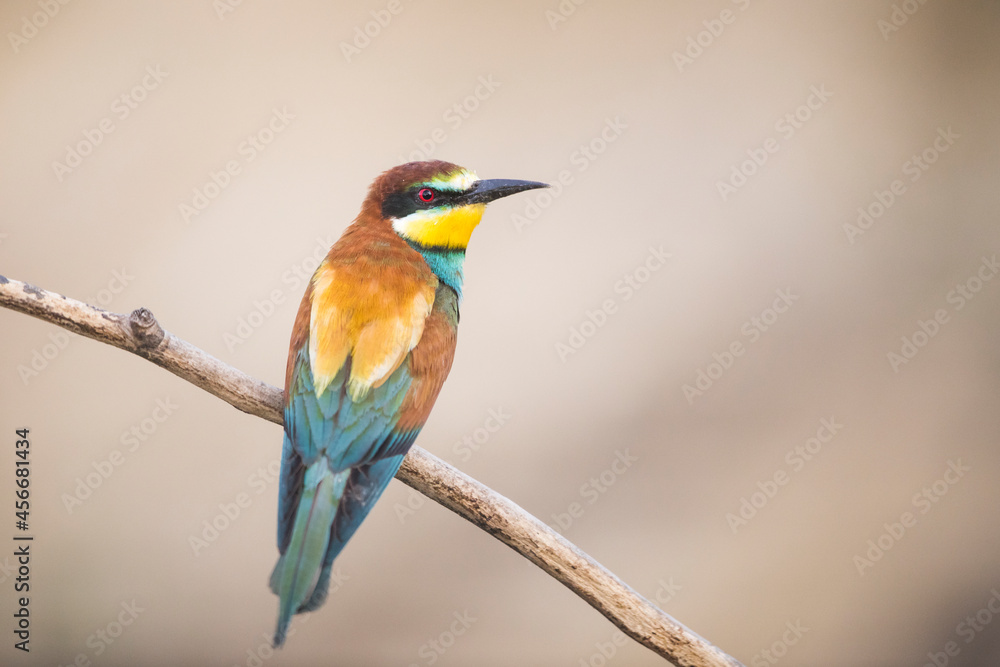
[426, 195]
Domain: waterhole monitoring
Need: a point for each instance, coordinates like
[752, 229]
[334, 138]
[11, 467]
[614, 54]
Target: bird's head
[437, 204]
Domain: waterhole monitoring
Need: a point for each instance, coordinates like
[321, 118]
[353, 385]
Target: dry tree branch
[141, 334]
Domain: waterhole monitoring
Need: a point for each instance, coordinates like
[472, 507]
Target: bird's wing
[427, 366]
[373, 315]
[347, 381]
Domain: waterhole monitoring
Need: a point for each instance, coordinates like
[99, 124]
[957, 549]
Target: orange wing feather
[369, 300]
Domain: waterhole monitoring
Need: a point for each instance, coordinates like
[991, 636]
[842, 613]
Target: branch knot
[146, 329]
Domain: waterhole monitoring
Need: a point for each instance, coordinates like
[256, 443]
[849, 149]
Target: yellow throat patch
[441, 227]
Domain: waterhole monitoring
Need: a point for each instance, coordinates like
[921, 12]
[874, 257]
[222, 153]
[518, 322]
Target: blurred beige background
[807, 111]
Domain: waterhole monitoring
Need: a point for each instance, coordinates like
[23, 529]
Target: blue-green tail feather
[337, 459]
[298, 570]
[364, 487]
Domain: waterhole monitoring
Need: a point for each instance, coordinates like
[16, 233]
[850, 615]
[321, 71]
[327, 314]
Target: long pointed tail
[298, 570]
[364, 487]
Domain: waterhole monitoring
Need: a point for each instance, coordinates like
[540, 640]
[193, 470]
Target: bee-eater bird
[372, 344]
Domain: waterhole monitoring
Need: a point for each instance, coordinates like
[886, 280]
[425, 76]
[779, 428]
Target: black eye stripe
[438, 197]
[401, 204]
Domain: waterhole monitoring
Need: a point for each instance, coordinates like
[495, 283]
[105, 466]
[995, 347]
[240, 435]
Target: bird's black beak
[483, 192]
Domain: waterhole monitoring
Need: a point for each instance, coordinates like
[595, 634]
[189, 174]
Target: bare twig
[141, 334]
